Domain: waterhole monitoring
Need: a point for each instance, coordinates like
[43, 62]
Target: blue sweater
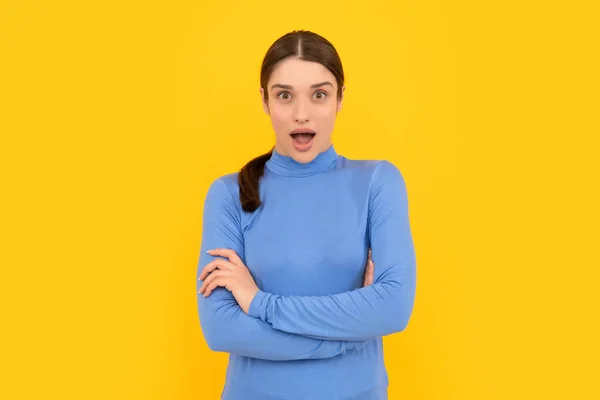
[312, 332]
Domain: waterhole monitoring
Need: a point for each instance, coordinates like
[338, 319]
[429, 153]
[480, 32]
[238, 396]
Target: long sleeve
[225, 326]
[379, 309]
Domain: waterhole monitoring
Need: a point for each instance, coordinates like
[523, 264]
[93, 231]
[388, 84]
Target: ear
[264, 103]
[339, 105]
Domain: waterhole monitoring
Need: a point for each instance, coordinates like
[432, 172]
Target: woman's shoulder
[230, 180]
[378, 172]
[374, 166]
[225, 186]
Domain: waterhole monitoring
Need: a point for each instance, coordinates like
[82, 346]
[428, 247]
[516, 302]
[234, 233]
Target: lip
[302, 147]
[306, 130]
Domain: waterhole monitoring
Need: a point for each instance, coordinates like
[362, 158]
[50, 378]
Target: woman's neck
[287, 166]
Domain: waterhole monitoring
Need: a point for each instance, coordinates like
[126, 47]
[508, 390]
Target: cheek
[279, 111]
[279, 119]
[327, 114]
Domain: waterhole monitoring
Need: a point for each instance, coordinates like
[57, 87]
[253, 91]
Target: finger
[371, 272]
[229, 253]
[211, 278]
[367, 275]
[208, 268]
[369, 254]
[214, 264]
[214, 283]
[219, 282]
[368, 278]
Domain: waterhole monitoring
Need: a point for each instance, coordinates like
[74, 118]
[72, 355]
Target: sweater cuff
[258, 305]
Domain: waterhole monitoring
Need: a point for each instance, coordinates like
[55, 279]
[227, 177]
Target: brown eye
[320, 95]
[284, 95]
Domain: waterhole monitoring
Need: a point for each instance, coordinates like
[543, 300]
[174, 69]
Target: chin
[304, 157]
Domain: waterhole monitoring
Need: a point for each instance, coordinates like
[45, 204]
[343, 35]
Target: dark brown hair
[304, 45]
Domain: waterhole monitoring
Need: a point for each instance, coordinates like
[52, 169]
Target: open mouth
[303, 137]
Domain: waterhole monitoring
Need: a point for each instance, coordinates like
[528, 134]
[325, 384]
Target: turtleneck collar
[287, 166]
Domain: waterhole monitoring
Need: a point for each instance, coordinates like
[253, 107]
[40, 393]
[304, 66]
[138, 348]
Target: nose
[300, 112]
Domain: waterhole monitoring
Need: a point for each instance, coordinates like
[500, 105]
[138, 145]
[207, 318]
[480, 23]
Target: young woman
[281, 277]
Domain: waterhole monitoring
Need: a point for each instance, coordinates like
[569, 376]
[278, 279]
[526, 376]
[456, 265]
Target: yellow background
[116, 116]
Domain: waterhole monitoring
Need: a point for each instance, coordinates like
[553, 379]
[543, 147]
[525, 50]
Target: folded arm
[373, 311]
[225, 326]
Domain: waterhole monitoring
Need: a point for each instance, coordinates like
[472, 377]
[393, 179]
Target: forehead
[300, 73]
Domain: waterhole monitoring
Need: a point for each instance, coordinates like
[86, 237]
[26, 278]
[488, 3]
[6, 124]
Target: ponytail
[249, 180]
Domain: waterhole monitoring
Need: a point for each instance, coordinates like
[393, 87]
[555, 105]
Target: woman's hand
[232, 275]
[369, 271]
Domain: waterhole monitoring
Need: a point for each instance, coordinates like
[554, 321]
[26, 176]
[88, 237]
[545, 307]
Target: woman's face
[302, 97]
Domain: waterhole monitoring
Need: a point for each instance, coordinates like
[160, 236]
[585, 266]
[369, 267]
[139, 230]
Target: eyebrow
[289, 87]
